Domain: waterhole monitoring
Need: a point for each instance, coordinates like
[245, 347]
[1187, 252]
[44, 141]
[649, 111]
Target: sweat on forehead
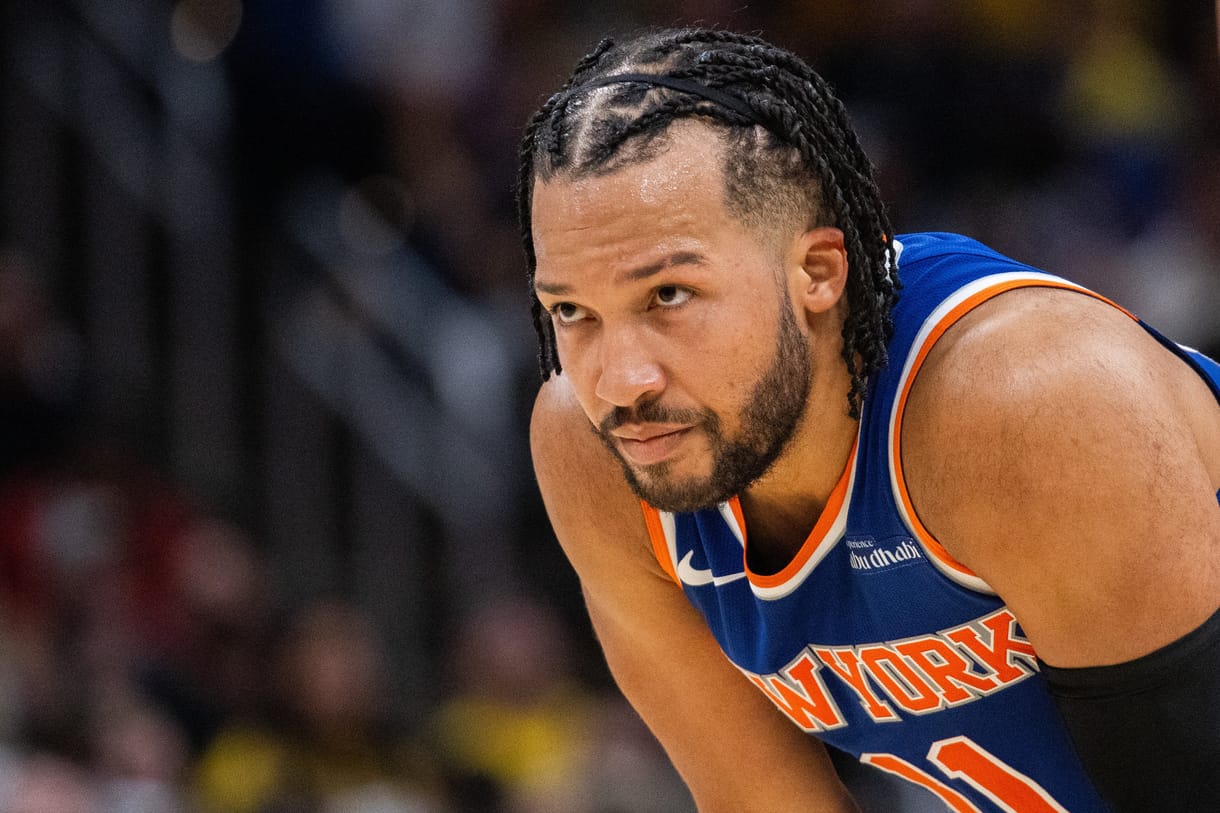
[655, 204]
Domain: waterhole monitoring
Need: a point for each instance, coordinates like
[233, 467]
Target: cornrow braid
[548, 356]
[790, 149]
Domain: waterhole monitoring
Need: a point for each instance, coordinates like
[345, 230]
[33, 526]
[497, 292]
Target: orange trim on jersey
[950, 319]
[660, 545]
[830, 513]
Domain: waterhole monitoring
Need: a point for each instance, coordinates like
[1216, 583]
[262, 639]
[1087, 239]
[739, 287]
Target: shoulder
[1049, 446]
[1019, 343]
[1035, 364]
[597, 519]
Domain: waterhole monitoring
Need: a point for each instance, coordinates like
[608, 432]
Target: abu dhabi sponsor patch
[869, 555]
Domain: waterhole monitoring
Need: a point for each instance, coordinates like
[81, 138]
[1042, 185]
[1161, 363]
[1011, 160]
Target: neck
[783, 506]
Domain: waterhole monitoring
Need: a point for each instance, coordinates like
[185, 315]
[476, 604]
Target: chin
[677, 496]
[680, 485]
[678, 504]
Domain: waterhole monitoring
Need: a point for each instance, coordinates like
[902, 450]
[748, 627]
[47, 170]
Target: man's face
[673, 323]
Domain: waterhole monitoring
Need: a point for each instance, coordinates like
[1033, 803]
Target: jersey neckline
[826, 533]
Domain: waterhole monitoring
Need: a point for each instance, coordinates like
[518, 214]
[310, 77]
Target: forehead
[673, 202]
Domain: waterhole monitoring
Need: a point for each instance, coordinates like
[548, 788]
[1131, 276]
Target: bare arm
[731, 746]
[1061, 453]
[1072, 462]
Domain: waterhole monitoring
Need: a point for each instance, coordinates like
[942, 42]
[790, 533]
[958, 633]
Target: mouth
[646, 446]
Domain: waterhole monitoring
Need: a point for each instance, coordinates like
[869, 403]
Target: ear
[817, 269]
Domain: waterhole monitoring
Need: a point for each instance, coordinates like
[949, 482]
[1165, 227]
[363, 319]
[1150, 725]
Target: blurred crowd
[148, 663]
[148, 660]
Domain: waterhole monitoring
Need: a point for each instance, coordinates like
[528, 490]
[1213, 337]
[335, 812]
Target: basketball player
[946, 512]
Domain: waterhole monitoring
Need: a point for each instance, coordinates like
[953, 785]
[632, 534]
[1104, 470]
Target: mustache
[648, 412]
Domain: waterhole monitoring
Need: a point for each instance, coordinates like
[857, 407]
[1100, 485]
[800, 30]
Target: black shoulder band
[675, 83]
[1148, 731]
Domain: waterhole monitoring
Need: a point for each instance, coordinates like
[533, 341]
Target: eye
[568, 313]
[672, 296]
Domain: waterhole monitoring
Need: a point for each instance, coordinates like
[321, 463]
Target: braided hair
[790, 151]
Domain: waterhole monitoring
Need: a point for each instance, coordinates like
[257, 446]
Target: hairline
[734, 198]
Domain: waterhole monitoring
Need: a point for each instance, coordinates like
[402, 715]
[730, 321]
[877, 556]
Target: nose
[629, 370]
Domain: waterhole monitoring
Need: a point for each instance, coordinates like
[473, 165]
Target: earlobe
[819, 269]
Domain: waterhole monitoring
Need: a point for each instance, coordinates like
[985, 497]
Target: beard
[768, 421]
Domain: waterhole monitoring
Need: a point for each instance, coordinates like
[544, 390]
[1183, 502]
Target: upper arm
[660, 651]
[1058, 451]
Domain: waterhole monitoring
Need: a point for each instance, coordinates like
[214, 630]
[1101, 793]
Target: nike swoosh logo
[700, 577]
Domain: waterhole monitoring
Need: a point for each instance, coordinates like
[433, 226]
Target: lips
[648, 445]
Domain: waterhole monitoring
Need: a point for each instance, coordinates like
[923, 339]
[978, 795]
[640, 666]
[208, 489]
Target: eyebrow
[634, 275]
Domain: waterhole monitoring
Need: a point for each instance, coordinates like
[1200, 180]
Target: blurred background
[269, 537]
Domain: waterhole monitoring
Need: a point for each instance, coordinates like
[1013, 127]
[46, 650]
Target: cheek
[738, 339]
[576, 359]
[722, 368]
[572, 345]
[593, 408]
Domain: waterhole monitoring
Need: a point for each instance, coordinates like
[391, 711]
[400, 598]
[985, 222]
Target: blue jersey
[873, 637]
